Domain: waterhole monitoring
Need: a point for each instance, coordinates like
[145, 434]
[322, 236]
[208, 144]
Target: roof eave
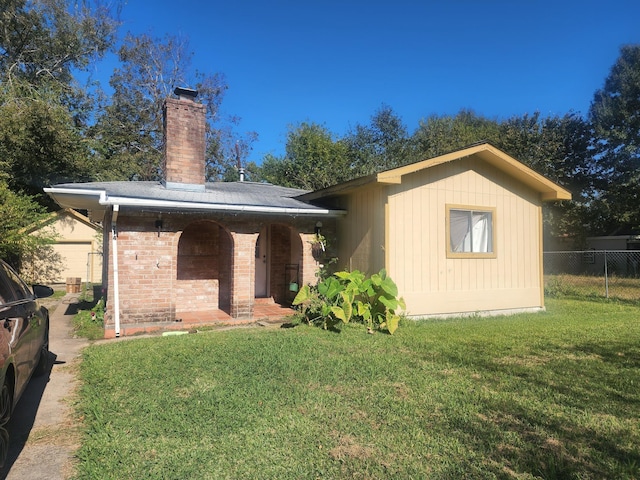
[339, 189]
[99, 199]
[556, 195]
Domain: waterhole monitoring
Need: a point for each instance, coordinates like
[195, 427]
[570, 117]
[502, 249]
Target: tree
[560, 149]
[313, 160]
[17, 212]
[43, 110]
[128, 135]
[225, 158]
[438, 135]
[40, 145]
[381, 145]
[615, 114]
[44, 41]
[556, 147]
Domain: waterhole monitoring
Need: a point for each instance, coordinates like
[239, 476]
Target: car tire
[44, 361]
[4, 446]
[6, 402]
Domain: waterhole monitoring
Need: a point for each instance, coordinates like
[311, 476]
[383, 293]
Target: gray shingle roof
[216, 193]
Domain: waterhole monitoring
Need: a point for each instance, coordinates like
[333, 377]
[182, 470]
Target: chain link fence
[593, 273]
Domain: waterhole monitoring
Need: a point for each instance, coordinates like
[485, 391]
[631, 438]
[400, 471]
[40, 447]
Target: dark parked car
[24, 337]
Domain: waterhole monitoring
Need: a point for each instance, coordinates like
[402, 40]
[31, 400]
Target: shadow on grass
[588, 434]
[86, 301]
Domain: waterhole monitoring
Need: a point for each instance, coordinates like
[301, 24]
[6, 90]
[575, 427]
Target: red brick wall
[146, 269]
[152, 289]
[203, 268]
[184, 149]
[198, 251]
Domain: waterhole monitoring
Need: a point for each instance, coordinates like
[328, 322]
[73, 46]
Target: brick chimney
[184, 141]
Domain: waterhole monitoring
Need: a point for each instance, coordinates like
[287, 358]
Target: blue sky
[337, 62]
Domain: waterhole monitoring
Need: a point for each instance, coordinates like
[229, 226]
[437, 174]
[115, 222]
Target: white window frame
[482, 252]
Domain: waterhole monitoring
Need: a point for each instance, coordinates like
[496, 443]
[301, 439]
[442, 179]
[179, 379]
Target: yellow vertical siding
[362, 231]
[77, 246]
[434, 284]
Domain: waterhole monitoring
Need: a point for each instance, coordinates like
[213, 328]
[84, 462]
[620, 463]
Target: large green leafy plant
[352, 297]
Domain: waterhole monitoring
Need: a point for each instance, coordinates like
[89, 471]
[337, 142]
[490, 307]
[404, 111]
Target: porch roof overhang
[548, 190]
[262, 200]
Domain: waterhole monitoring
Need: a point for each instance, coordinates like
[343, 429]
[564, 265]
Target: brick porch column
[310, 265]
[243, 275]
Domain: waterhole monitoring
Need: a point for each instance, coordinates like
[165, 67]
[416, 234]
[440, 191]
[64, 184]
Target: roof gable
[61, 215]
[547, 189]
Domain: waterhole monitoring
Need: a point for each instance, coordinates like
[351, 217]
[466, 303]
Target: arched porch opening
[279, 263]
[203, 273]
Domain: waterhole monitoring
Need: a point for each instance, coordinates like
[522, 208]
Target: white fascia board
[78, 192]
[217, 207]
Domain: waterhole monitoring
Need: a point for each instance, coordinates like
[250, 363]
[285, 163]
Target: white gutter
[143, 202]
[116, 286]
[106, 200]
[75, 191]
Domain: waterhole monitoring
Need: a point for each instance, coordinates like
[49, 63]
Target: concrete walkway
[42, 434]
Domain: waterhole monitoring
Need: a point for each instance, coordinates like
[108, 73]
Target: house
[614, 242]
[182, 249]
[460, 233]
[610, 255]
[76, 251]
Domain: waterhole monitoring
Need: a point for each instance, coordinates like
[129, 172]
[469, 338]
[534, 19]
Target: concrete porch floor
[264, 309]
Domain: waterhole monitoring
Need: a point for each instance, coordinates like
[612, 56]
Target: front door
[262, 264]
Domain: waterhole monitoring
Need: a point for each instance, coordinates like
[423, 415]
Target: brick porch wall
[150, 288]
[146, 267]
[203, 268]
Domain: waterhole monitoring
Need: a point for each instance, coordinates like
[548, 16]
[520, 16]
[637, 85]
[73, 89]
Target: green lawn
[550, 395]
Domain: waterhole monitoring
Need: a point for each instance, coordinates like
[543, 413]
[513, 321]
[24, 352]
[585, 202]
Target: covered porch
[265, 312]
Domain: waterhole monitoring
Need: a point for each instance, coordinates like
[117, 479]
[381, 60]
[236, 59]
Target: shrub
[351, 296]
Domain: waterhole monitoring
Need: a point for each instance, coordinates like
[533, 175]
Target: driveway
[43, 433]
